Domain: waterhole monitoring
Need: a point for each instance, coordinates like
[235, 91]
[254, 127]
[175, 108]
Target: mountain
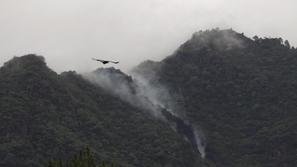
[242, 92]
[220, 100]
[46, 116]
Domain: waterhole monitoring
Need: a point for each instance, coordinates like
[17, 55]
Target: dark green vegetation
[85, 158]
[47, 116]
[241, 91]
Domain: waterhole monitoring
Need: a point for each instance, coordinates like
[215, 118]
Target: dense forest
[238, 93]
[85, 158]
[241, 91]
[49, 116]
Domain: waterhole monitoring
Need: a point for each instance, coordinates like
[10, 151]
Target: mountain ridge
[239, 92]
[48, 116]
[238, 95]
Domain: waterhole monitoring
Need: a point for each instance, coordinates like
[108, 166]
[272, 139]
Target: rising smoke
[154, 99]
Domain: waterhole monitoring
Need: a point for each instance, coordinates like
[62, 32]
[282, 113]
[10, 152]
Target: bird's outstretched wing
[97, 60]
[115, 62]
[105, 61]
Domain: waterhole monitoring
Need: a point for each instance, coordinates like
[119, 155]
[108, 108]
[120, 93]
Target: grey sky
[69, 32]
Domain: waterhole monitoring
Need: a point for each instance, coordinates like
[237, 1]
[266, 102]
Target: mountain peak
[216, 39]
[26, 62]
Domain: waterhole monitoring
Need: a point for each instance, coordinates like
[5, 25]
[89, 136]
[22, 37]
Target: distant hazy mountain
[241, 91]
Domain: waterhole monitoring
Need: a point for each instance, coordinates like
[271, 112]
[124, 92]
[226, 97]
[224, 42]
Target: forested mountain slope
[220, 95]
[241, 91]
[46, 116]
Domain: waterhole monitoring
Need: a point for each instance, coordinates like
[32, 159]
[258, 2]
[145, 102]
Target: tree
[85, 158]
[256, 38]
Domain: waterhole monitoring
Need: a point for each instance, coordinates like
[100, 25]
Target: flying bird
[105, 61]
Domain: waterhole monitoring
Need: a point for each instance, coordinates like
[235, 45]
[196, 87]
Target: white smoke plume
[155, 99]
[200, 141]
[137, 93]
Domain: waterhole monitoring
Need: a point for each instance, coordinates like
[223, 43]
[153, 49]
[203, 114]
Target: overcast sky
[69, 32]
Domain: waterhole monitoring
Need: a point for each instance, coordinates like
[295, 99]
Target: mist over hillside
[47, 116]
[241, 92]
[156, 101]
[220, 100]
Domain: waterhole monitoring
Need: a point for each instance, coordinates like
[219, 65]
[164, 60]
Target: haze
[68, 33]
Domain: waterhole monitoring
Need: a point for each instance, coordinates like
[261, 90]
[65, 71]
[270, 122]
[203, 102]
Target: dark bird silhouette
[105, 61]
